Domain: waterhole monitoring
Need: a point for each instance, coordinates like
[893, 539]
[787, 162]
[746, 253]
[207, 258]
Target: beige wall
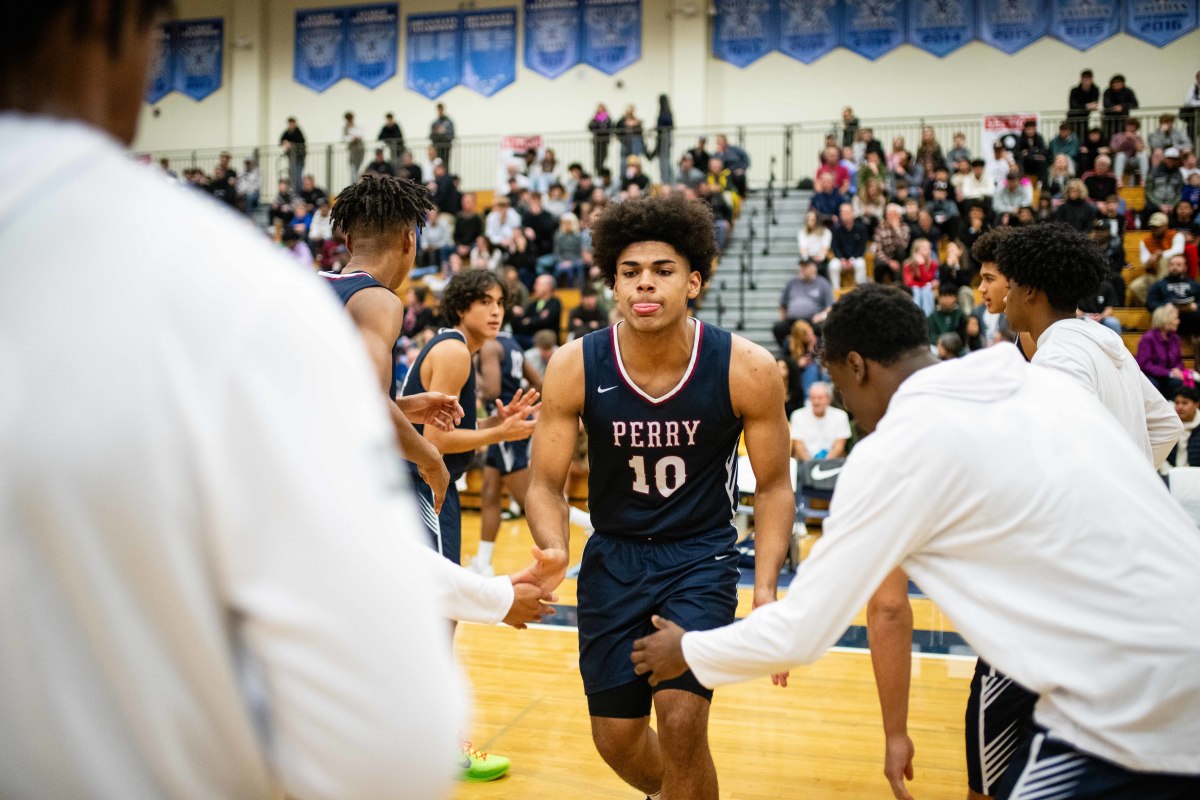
[259, 93]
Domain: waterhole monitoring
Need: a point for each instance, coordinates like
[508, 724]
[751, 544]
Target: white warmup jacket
[1012, 498]
[213, 580]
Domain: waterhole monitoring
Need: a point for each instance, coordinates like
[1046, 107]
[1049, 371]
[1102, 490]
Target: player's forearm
[463, 440]
[415, 447]
[774, 515]
[546, 512]
[890, 636]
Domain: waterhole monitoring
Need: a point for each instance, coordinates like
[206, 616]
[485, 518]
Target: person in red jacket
[920, 274]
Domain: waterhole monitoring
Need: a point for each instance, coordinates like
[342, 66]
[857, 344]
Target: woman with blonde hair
[1075, 210]
[1160, 354]
[869, 205]
[1060, 174]
[800, 366]
[815, 240]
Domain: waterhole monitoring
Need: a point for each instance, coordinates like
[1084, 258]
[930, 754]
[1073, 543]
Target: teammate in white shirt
[818, 429]
[1055, 569]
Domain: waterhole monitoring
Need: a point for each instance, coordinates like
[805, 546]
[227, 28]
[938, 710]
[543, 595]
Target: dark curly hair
[465, 288]
[1054, 258]
[378, 203]
[686, 225]
[986, 245]
[880, 323]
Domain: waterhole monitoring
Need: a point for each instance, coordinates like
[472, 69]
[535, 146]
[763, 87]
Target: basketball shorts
[444, 529]
[508, 457]
[999, 720]
[1049, 769]
[623, 580]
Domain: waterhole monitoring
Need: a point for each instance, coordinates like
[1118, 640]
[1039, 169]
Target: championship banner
[1012, 25]
[745, 30]
[433, 53]
[162, 72]
[874, 27]
[1084, 23]
[370, 45]
[612, 34]
[808, 29]
[318, 62]
[552, 30]
[1160, 22]
[199, 56]
[940, 27]
[489, 49]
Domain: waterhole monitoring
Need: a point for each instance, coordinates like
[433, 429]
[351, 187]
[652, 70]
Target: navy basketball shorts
[623, 580]
[999, 720]
[1050, 769]
[508, 457]
[444, 529]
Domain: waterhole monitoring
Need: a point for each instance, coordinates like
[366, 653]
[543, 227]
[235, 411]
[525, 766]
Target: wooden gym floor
[818, 738]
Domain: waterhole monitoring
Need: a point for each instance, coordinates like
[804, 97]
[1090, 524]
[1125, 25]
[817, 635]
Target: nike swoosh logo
[603, 389]
[819, 474]
[722, 558]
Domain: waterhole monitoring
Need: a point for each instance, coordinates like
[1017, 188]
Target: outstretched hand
[529, 604]
[897, 764]
[432, 408]
[660, 654]
[523, 404]
[547, 569]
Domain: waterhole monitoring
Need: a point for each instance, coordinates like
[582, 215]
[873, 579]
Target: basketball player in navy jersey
[664, 399]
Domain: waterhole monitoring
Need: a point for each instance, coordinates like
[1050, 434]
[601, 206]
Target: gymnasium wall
[258, 91]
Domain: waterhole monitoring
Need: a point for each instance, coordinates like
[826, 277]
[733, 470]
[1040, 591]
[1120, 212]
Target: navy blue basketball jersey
[664, 466]
[349, 284]
[456, 463]
[512, 367]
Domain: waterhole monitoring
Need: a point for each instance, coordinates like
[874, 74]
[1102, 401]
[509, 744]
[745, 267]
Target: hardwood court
[819, 738]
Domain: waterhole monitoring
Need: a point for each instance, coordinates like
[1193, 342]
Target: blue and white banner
[745, 30]
[874, 27]
[370, 47]
[1084, 23]
[162, 71]
[612, 34]
[808, 29]
[941, 26]
[318, 56]
[489, 49]
[1012, 25]
[433, 54]
[1160, 22]
[199, 56]
[552, 30]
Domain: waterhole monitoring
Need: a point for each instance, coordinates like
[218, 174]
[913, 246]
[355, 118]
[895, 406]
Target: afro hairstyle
[1055, 259]
[988, 244]
[686, 225]
[880, 323]
[467, 287]
[380, 203]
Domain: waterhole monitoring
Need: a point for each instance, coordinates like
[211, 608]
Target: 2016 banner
[745, 30]
[189, 58]
[358, 42]
[552, 32]
[1160, 22]
[1084, 23]
[434, 54]
[489, 49]
[941, 26]
[612, 34]
[873, 28]
[1012, 25]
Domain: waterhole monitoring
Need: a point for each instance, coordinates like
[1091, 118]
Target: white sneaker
[481, 568]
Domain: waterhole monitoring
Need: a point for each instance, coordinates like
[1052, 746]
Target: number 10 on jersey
[669, 474]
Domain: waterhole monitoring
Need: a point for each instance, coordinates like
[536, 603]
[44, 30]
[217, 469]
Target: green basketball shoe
[480, 767]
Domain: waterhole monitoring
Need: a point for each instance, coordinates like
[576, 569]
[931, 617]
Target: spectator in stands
[1179, 290]
[1092, 147]
[1129, 146]
[1160, 353]
[1083, 99]
[819, 430]
[815, 240]
[1101, 181]
[947, 317]
[544, 346]
[441, 134]
[1187, 452]
[1075, 210]
[1168, 135]
[1060, 173]
[312, 194]
[587, 316]
[912, 211]
[808, 297]
[1031, 151]
[293, 243]
[955, 271]
[543, 312]
[293, 144]
[907, 170]
[1164, 187]
[380, 165]
[1065, 144]
[249, 186]
[1118, 101]
[566, 259]
[629, 134]
[436, 240]
[601, 125]
[943, 211]
[468, 224]
[869, 205]
[735, 160]
[1001, 163]
[700, 154]
[1107, 232]
[444, 188]
[1155, 253]
[1183, 219]
[960, 151]
[321, 228]
[898, 150]
[1015, 194]
[799, 365]
[921, 273]
[900, 191]
[1191, 187]
[831, 164]
[976, 225]
[356, 149]
[539, 224]
[949, 346]
[974, 339]
[891, 245]
[1099, 306]
[417, 315]
[486, 255]
[872, 169]
[849, 127]
[722, 211]
[501, 221]
[849, 246]
[633, 175]
[283, 207]
[978, 185]
[688, 175]
[392, 137]
[826, 200]
[224, 187]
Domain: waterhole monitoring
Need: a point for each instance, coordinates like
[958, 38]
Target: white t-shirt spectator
[819, 433]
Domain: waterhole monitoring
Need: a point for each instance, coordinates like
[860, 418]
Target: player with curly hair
[664, 399]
